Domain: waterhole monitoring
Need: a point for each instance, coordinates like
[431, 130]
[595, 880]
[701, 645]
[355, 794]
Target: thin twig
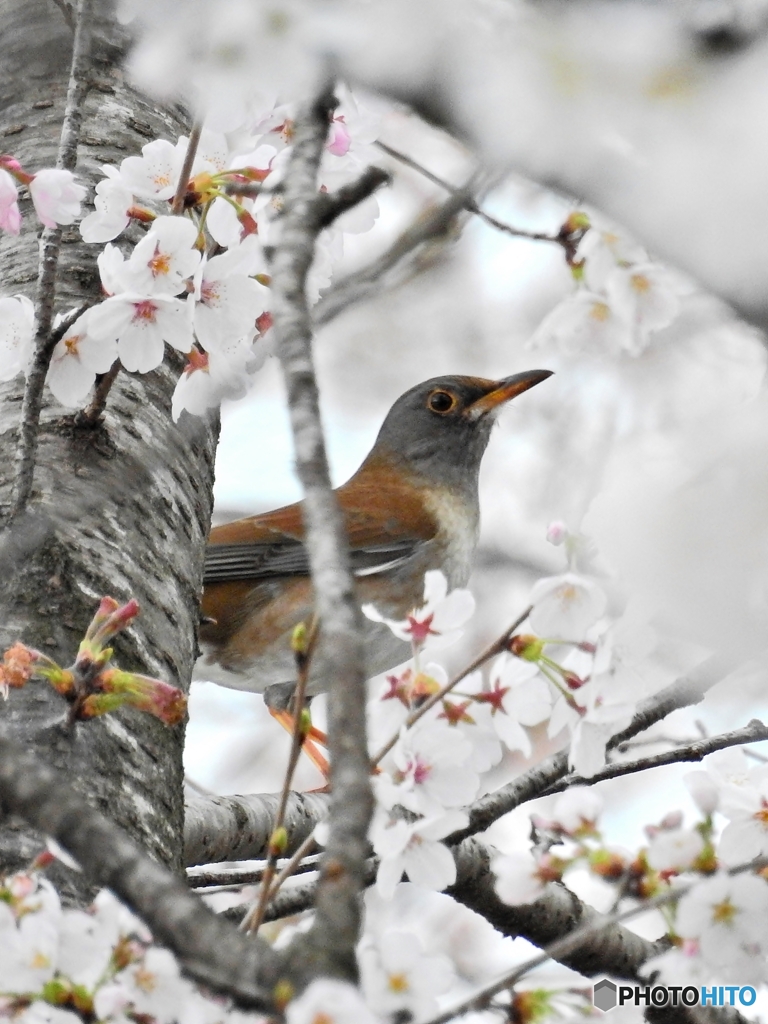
[498, 645]
[252, 921]
[177, 206]
[332, 205]
[568, 943]
[92, 414]
[469, 202]
[204, 878]
[294, 866]
[45, 340]
[752, 733]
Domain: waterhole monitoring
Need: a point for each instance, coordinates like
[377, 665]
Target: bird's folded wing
[257, 561]
[385, 523]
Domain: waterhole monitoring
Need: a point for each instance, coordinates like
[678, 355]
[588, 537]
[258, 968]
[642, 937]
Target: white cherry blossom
[518, 696]
[154, 174]
[728, 916]
[398, 977]
[566, 606]
[681, 965]
[111, 217]
[329, 1001]
[141, 325]
[212, 376]
[675, 849]
[229, 298]
[746, 834]
[17, 335]
[29, 948]
[577, 808]
[163, 259]
[56, 196]
[518, 878]
[703, 790]
[111, 262]
[432, 769]
[414, 848]
[153, 985]
[647, 296]
[76, 360]
[585, 322]
[438, 622]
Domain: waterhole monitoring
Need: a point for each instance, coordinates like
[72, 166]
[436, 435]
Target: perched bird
[412, 506]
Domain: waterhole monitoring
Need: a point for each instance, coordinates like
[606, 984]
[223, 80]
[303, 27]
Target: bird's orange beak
[504, 390]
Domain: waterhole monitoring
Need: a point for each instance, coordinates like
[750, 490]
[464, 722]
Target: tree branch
[45, 340]
[333, 205]
[209, 950]
[752, 733]
[223, 828]
[329, 946]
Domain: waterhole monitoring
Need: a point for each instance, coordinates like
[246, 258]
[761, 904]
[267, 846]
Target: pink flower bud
[557, 532]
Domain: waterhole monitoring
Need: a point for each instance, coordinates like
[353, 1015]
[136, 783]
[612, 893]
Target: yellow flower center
[600, 311]
[398, 983]
[640, 283]
[71, 344]
[723, 913]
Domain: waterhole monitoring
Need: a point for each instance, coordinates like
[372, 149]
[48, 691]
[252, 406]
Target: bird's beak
[504, 390]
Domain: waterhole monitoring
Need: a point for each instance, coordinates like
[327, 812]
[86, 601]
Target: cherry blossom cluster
[720, 927]
[93, 685]
[198, 282]
[61, 965]
[717, 928]
[622, 298]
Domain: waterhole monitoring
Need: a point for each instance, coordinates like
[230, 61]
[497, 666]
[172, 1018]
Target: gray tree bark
[120, 509]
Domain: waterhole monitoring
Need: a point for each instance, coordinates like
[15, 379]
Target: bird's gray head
[439, 430]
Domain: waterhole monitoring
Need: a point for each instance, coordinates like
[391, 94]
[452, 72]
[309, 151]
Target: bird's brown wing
[385, 521]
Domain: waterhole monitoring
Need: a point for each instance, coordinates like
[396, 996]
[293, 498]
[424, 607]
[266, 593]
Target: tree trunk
[121, 509]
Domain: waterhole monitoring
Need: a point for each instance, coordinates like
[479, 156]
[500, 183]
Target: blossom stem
[495, 648]
[469, 204]
[177, 206]
[46, 339]
[91, 416]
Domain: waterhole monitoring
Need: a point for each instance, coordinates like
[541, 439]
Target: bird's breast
[458, 523]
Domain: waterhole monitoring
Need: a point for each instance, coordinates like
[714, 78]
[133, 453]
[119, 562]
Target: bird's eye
[441, 401]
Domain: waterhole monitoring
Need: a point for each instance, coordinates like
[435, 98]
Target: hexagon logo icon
[604, 995]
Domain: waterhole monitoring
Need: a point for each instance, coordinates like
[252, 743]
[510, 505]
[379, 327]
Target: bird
[411, 507]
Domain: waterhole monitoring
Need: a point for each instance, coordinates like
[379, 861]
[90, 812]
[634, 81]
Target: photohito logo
[606, 995]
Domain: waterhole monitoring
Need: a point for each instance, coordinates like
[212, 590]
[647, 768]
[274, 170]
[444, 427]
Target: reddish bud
[607, 864]
[571, 680]
[154, 696]
[18, 666]
[140, 214]
[264, 322]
